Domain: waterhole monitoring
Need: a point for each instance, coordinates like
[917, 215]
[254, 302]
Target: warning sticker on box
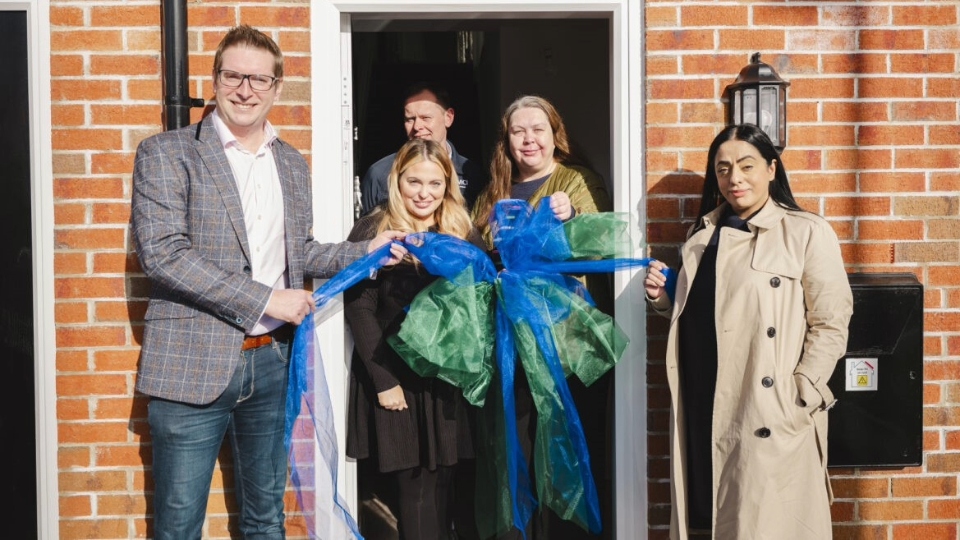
[862, 374]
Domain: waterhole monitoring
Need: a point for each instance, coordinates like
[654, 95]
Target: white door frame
[332, 157]
[44, 329]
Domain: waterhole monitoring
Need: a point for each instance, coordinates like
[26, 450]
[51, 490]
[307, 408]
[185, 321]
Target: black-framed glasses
[233, 79]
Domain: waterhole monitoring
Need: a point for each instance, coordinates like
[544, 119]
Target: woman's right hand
[393, 399]
[655, 282]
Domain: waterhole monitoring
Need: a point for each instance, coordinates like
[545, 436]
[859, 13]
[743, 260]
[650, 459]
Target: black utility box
[878, 418]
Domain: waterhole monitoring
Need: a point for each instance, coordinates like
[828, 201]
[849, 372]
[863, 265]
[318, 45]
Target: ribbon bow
[534, 311]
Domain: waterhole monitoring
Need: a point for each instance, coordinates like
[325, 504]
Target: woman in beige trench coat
[758, 322]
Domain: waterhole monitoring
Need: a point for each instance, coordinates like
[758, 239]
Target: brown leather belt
[283, 333]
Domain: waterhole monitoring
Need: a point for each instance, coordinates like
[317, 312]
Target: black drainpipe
[176, 96]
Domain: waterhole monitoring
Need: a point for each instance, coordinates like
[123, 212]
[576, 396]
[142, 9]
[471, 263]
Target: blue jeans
[187, 440]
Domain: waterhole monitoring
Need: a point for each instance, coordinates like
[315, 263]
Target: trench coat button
[763, 433]
[239, 320]
[771, 331]
[246, 269]
[774, 282]
[767, 382]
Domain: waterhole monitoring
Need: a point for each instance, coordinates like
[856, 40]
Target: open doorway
[485, 64]
[17, 418]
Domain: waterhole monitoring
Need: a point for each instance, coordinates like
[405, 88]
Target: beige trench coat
[783, 303]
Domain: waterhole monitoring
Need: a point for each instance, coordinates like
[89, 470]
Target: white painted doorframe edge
[331, 156]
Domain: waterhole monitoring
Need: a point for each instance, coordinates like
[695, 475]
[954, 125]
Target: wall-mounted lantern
[759, 97]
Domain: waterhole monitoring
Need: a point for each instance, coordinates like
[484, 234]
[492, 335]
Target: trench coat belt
[282, 334]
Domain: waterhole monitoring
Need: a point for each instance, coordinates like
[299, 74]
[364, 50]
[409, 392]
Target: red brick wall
[874, 146]
[106, 97]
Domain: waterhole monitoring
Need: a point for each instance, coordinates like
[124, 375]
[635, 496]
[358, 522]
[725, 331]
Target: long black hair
[749, 133]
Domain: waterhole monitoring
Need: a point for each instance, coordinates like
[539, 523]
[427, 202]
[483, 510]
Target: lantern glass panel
[769, 118]
[749, 106]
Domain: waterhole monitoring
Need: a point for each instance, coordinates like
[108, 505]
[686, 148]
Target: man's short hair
[443, 97]
[247, 36]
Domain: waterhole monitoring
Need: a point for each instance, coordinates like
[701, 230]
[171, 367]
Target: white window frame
[332, 152]
[41, 196]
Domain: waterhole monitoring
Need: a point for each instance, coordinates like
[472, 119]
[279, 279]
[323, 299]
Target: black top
[698, 377]
[434, 430]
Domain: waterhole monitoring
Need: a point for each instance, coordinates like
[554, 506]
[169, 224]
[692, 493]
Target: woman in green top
[532, 160]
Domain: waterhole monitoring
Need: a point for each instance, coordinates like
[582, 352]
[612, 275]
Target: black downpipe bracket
[176, 96]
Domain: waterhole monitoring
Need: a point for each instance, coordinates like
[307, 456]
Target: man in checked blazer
[222, 217]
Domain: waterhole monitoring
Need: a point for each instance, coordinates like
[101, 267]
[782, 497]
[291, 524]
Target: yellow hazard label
[862, 380]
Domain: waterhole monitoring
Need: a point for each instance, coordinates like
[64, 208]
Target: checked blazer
[189, 231]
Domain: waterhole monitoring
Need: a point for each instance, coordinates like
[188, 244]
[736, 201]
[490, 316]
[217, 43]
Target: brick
[941, 322]
[790, 16]
[712, 16]
[800, 160]
[711, 64]
[116, 360]
[936, 486]
[821, 89]
[85, 90]
[660, 40]
[860, 488]
[890, 135]
[124, 64]
[678, 136]
[663, 209]
[890, 510]
[899, 181]
[859, 531]
[655, 67]
[927, 252]
[281, 16]
[69, 214]
[859, 159]
[820, 39]
[899, 39]
[861, 63]
[944, 181]
[88, 188]
[95, 528]
[931, 441]
[913, 531]
[836, 135]
[99, 432]
[932, 345]
[100, 336]
[668, 113]
[943, 229]
[842, 511]
[855, 111]
[680, 89]
[920, 15]
[70, 312]
[75, 506]
[73, 457]
[855, 16]
[67, 115]
[86, 40]
[70, 263]
[655, 17]
[862, 253]
[122, 455]
[943, 38]
[144, 40]
[87, 139]
[72, 360]
[926, 110]
[145, 90]
[817, 182]
[923, 63]
[90, 238]
[933, 206]
[953, 440]
[121, 505]
[871, 229]
[943, 275]
[943, 135]
[927, 158]
[107, 213]
[116, 263]
[746, 39]
[943, 87]
[113, 162]
[889, 87]
[125, 16]
[858, 206]
[660, 162]
[941, 370]
[944, 509]
[65, 16]
[73, 409]
[69, 164]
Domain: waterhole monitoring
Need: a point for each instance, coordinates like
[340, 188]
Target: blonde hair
[502, 167]
[450, 217]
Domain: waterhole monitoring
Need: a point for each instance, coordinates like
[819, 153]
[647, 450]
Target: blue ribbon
[305, 365]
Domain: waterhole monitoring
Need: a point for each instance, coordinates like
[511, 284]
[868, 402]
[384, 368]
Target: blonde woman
[406, 430]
